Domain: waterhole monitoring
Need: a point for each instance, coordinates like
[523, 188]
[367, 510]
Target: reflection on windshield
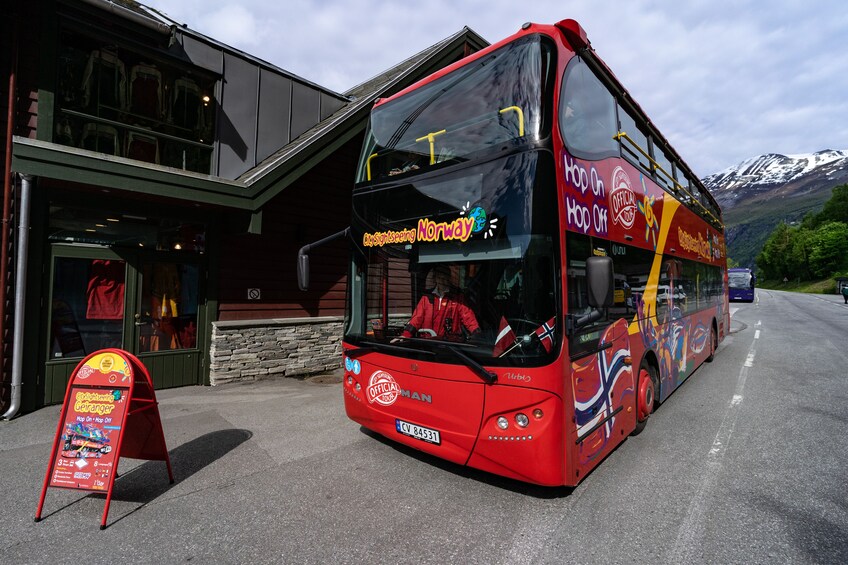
[739, 280]
[492, 101]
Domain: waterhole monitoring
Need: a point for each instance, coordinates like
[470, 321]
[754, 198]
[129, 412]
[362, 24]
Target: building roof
[281, 168]
[253, 189]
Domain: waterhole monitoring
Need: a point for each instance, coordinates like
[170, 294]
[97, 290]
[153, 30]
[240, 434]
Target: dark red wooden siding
[315, 206]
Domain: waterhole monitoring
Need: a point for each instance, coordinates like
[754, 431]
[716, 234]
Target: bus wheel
[644, 398]
[713, 344]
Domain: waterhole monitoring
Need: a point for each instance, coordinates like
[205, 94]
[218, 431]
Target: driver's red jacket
[446, 315]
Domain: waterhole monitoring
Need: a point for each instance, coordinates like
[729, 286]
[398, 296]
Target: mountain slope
[758, 193]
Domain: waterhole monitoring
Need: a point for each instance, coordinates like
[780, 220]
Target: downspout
[20, 298]
[7, 199]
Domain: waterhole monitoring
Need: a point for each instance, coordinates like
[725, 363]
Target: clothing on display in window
[105, 292]
[101, 138]
[104, 82]
[187, 106]
[146, 91]
[142, 147]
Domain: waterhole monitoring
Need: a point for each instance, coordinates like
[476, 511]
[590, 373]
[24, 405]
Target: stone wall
[259, 349]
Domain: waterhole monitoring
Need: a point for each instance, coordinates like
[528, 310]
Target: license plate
[418, 432]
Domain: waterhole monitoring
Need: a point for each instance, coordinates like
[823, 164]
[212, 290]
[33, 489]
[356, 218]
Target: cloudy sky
[723, 80]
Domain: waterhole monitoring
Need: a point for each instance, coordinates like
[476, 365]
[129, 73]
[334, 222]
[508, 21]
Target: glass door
[89, 290]
[166, 318]
[150, 304]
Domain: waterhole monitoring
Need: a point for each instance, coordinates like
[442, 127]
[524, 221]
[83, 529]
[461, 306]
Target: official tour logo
[622, 199]
[382, 389]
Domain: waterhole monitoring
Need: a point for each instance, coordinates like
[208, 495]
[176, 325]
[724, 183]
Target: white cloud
[723, 80]
[232, 24]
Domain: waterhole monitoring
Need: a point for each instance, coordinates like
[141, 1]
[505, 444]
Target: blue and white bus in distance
[741, 283]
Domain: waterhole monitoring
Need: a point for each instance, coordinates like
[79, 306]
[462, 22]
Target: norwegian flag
[545, 333]
[506, 338]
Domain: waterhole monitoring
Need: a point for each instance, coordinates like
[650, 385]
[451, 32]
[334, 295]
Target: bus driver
[442, 312]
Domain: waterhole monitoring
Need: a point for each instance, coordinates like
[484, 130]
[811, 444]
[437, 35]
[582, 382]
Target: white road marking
[692, 529]
[757, 334]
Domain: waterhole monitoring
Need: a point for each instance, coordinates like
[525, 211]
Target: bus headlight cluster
[521, 419]
[351, 382]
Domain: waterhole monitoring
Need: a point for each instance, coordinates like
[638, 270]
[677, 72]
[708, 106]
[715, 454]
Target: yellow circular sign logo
[107, 363]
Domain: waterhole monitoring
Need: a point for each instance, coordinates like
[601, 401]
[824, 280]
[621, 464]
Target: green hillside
[749, 225]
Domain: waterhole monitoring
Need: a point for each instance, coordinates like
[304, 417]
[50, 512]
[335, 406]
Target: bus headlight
[503, 423]
[522, 420]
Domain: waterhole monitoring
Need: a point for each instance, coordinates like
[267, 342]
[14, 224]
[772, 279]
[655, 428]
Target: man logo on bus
[622, 199]
[382, 389]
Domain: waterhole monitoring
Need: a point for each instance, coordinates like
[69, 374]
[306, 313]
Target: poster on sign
[110, 411]
[87, 445]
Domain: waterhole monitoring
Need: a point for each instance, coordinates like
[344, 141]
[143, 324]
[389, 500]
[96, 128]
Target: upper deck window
[587, 113]
[492, 103]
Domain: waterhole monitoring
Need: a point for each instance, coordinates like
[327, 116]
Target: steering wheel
[426, 333]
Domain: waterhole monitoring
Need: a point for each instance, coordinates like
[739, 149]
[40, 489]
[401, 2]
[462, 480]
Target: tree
[798, 254]
[773, 258]
[828, 249]
[834, 210]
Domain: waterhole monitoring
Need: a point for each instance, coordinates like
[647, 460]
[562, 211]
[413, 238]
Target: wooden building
[158, 185]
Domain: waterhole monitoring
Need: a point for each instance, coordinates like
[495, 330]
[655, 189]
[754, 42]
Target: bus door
[600, 363]
[602, 383]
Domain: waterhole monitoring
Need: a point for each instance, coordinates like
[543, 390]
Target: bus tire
[645, 397]
[713, 344]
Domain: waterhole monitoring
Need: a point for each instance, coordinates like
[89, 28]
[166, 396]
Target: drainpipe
[7, 198]
[20, 297]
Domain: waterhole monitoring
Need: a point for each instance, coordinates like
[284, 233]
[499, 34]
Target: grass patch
[826, 286]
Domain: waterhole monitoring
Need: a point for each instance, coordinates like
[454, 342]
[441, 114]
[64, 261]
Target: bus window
[630, 148]
[680, 178]
[587, 113]
[632, 267]
[663, 176]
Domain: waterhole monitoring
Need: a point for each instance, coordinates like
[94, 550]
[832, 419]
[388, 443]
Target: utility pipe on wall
[20, 297]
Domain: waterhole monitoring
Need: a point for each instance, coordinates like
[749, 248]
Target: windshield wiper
[369, 346]
[488, 376]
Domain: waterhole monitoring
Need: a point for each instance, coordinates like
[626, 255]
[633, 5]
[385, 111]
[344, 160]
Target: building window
[119, 101]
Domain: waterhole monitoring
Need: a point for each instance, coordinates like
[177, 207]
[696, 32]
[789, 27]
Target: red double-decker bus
[534, 267]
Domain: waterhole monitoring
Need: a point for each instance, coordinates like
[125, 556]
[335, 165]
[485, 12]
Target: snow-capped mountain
[778, 176]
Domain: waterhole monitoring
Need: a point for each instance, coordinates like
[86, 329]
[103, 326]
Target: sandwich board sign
[110, 411]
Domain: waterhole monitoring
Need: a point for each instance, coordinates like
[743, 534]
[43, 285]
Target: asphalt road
[744, 463]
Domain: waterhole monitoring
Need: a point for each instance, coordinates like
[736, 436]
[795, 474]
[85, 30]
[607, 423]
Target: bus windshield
[492, 102]
[739, 279]
[486, 229]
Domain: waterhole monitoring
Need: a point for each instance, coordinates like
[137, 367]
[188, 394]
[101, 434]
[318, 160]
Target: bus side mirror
[303, 257]
[599, 275]
[303, 271]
